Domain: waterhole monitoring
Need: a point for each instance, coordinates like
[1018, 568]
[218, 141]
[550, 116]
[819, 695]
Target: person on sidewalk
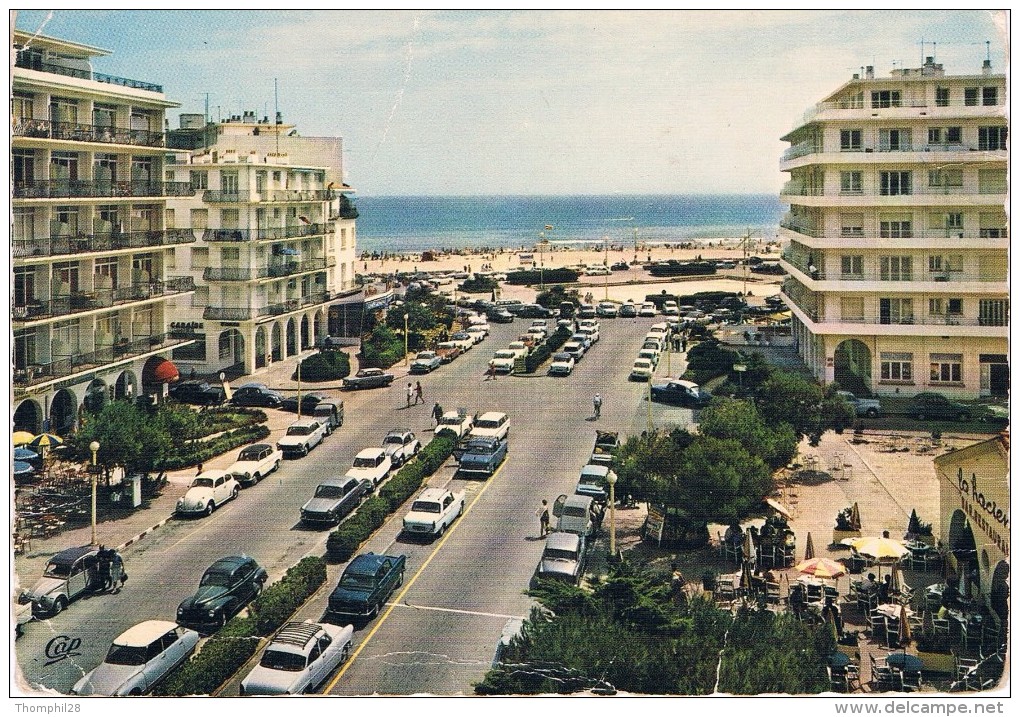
[418, 393]
[437, 413]
[117, 575]
[543, 519]
[490, 373]
[597, 404]
[410, 394]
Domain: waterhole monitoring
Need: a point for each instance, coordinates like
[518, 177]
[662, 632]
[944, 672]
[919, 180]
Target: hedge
[324, 366]
[204, 450]
[479, 285]
[537, 357]
[381, 348]
[226, 651]
[549, 276]
[686, 268]
[214, 420]
[346, 539]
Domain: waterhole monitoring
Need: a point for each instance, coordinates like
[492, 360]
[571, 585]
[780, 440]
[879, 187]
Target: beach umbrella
[21, 438]
[23, 454]
[904, 635]
[878, 548]
[822, 568]
[897, 578]
[855, 517]
[745, 578]
[749, 552]
[46, 440]
[809, 549]
[22, 468]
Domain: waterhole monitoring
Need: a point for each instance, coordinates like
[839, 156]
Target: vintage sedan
[256, 394]
[199, 393]
[464, 339]
[368, 378]
[69, 574]
[448, 351]
[425, 362]
[478, 332]
[401, 445]
[334, 499]
[681, 393]
[366, 584]
[301, 437]
[308, 402]
[371, 464]
[456, 421]
[483, 455]
[139, 659]
[226, 587]
[208, 492]
[562, 558]
[503, 361]
[642, 370]
[300, 657]
[562, 364]
[492, 424]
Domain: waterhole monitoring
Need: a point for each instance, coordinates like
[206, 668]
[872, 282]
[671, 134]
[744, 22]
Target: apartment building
[276, 250]
[897, 233]
[91, 252]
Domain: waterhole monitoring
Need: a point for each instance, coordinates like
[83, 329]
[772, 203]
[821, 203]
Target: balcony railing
[45, 129]
[220, 196]
[799, 150]
[86, 188]
[213, 273]
[81, 301]
[804, 267]
[30, 63]
[802, 190]
[85, 243]
[35, 373]
[223, 313]
[300, 195]
[811, 231]
[264, 234]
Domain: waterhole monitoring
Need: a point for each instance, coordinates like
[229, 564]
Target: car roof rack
[297, 633]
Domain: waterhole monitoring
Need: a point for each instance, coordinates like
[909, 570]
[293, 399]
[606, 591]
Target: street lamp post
[94, 447]
[740, 368]
[611, 479]
[405, 339]
[649, 405]
[605, 240]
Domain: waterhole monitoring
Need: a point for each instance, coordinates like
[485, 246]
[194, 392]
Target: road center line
[400, 598]
[459, 611]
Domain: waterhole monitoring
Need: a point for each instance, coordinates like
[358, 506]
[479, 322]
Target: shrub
[381, 348]
[537, 357]
[200, 451]
[324, 366]
[552, 297]
[479, 285]
[681, 268]
[549, 276]
[345, 540]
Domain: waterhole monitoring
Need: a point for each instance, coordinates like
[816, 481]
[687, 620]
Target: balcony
[74, 132]
[809, 230]
[852, 108]
[218, 313]
[794, 188]
[801, 264]
[300, 195]
[219, 196]
[213, 273]
[799, 150]
[34, 374]
[30, 63]
[86, 243]
[89, 188]
[265, 234]
[82, 301]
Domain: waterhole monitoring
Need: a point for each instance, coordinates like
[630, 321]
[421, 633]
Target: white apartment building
[897, 234]
[276, 247]
[91, 276]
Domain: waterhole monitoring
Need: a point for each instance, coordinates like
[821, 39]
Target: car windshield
[329, 491]
[395, 438]
[425, 506]
[574, 511]
[483, 447]
[285, 661]
[202, 483]
[249, 454]
[426, 355]
[365, 462]
[487, 423]
[215, 579]
[365, 374]
[58, 570]
[505, 354]
[450, 421]
[561, 357]
[126, 655]
[299, 430]
[353, 580]
[557, 554]
[642, 364]
[460, 336]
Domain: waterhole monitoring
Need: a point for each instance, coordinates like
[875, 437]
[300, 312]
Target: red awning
[165, 372]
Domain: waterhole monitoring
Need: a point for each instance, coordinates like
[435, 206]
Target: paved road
[440, 632]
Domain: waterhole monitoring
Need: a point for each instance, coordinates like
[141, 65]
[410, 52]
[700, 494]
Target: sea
[416, 223]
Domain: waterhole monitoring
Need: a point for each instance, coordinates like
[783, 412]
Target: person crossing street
[597, 405]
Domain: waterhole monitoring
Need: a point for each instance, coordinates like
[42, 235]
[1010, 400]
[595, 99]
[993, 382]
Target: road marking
[407, 586]
[459, 612]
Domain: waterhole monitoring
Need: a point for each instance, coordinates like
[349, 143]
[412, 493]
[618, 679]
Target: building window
[894, 183]
[941, 96]
[22, 107]
[65, 278]
[990, 138]
[199, 180]
[260, 182]
[944, 308]
[200, 219]
[24, 349]
[199, 257]
[938, 264]
[893, 140]
[895, 227]
[992, 226]
[989, 96]
[896, 366]
[942, 136]
[851, 225]
[896, 311]
[851, 266]
[886, 98]
[64, 166]
[106, 273]
[991, 181]
[23, 161]
[850, 183]
[170, 258]
[24, 224]
[229, 218]
[970, 96]
[850, 140]
[228, 182]
[895, 268]
[24, 285]
[851, 309]
[946, 368]
[993, 312]
[170, 219]
[945, 177]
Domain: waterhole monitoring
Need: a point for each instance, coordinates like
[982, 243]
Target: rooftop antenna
[276, 101]
[988, 50]
[922, 51]
[935, 52]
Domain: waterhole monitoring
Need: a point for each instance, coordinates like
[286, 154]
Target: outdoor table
[904, 662]
[810, 581]
[815, 607]
[916, 547]
[892, 610]
[732, 578]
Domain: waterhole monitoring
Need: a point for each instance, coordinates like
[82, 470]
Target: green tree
[789, 398]
[382, 347]
[776, 444]
[128, 437]
[555, 295]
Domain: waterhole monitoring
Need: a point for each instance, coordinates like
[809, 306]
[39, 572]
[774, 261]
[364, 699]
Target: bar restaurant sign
[985, 512]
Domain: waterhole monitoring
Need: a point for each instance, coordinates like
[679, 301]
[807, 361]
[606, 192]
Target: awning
[778, 508]
[160, 371]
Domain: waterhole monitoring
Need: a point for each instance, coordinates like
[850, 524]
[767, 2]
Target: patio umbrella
[745, 578]
[809, 549]
[822, 568]
[897, 578]
[878, 548]
[22, 468]
[749, 552]
[23, 454]
[855, 517]
[21, 438]
[904, 635]
[46, 440]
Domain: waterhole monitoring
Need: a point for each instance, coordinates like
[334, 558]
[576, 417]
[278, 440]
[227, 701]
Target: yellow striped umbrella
[878, 548]
[21, 438]
[46, 440]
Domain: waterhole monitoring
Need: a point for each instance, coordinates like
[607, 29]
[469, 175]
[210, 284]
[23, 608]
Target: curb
[141, 535]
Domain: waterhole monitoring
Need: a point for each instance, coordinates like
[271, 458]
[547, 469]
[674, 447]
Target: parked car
[670, 308]
[620, 266]
[308, 402]
[576, 514]
[69, 574]
[628, 310]
[539, 332]
[483, 455]
[642, 370]
[330, 414]
[925, 406]
[459, 423]
[562, 364]
[583, 339]
[198, 393]
[433, 511]
[650, 354]
[869, 407]
[208, 491]
[299, 658]
[499, 316]
[336, 342]
[478, 332]
[567, 309]
[425, 362]
[371, 464]
[534, 311]
[225, 588]
[448, 351]
[368, 378]
[523, 347]
[606, 445]
[301, 437]
[256, 394]
[681, 393]
[575, 349]
[592, 332]
[255, 462]
[562, 558]
[607, 309]
[139, 659]
[586, 311]
[334, 500]
[366, 584]
[647, 310]
[463, 339]
[492, 425]
[600, 270]
[503, 360]
[401, 446]
[594, 481]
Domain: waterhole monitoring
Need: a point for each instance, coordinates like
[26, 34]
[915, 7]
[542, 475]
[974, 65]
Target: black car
[681, 393]
[226, 587]
[335, 342]
[199, 393]
[368, 378]
[256, 394]
[935, 405]
[620, 266]
[499, 316]
[628, 311]
[308, 402]
[535, 311]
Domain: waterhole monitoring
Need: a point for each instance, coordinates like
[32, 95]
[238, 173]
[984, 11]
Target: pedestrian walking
[418, 393]
[103, 568]
[490, 373]
[437, 413]
[117, 575]
[410, 394]
[683, 346]
[596, 402]
[200, 467]
[543, 519]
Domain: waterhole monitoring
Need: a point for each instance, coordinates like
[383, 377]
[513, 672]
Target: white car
[139, 659]
[539, 333]
[300, 657]
[401, 445]
[647, 310]
[540, 324]
[208, 492]
[601, 270]
[492, 425]
[478, 332]
[583, 339]
[562, 364]
[670, 308]
[255, 462]
[301, 437]
[477, 320]
[433, 511]
[457, 422]
[591, 332]
[503, 360]
[371, 464]
[464, 339]
[520, 347]
[650, 354]
[642, 370]
[575, 349]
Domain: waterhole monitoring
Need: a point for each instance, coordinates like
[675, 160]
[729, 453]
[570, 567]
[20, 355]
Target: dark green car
[925, 406]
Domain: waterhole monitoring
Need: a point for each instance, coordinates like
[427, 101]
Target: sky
[529, 102]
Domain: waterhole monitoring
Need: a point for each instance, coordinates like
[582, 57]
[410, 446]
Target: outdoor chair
[933, 561]
[725, 592]
[878, 628]
[789, 556]
[940, 625]
[852, 675]
[772, 593]
[828, 591]
[837, 680]
[971, 638]
[910, 681]
[917, 560]
[882, 676]
[967, 674]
